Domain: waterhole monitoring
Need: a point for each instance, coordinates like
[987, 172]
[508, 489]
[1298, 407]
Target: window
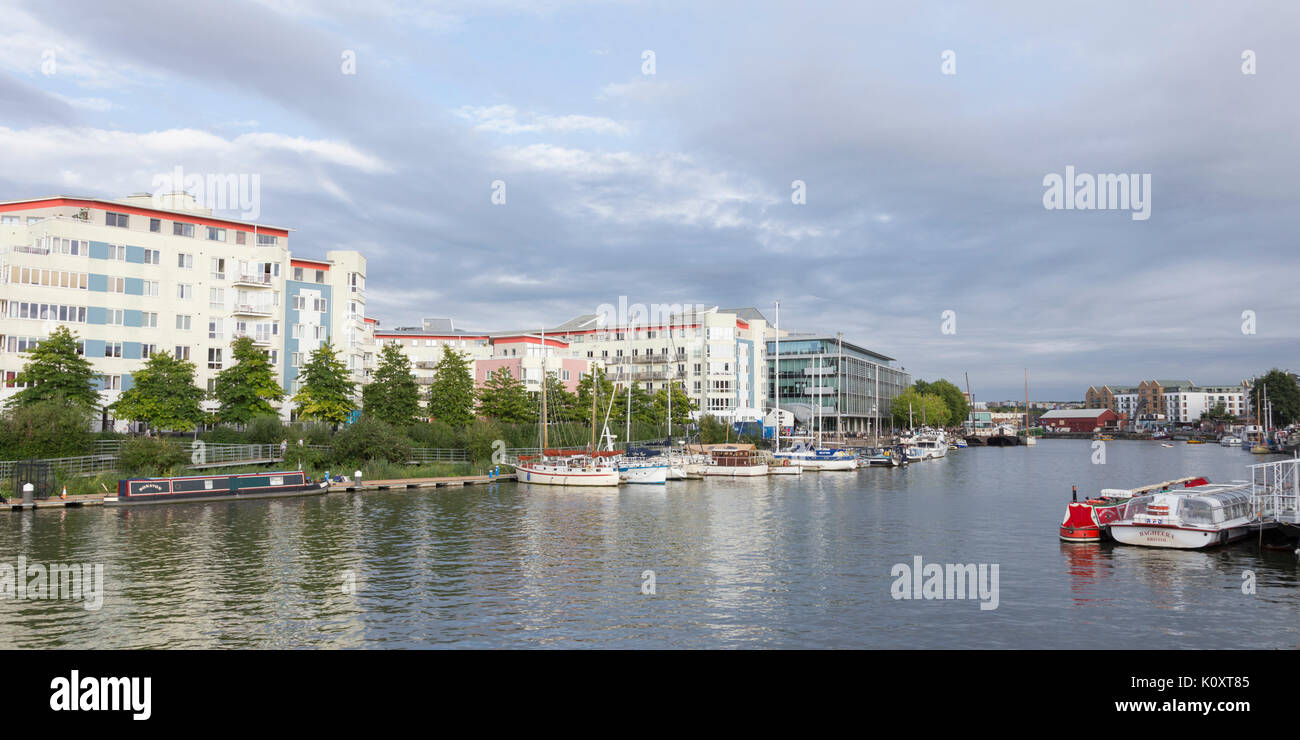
[264, 240]
[185, 261]
[148, 350]
[322, 332]
[115, 317]
[218, 268]
[319, 304]
[155, 225]
[152, 256]
[299, 303]
[112, 382]
[9, 220]
[117, 252]
[184, 291]
[182, 352]
[115, 219]
[180, 229]
[47, 312]
[214, 358]
[214, 328]
[116, 285]
[216, 235]
[297, 274]
[71, 247]
[149, 320]
[112, 349]
[241, 237]
[217, 297]
[182, 322]
[295, 359]
[320, 276]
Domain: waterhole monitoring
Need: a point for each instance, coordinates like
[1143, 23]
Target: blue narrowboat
[230, 487]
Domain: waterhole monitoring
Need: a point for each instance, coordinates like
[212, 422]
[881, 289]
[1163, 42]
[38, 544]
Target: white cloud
[506, 119]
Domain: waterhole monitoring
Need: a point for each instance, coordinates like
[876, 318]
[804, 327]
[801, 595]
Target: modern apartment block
[140, 275]
[1178, 401]
[852, 385]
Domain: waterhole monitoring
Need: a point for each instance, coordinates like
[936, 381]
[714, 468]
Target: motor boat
[1090, 520]
[1188, 519]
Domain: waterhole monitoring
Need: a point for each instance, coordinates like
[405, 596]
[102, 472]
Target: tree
[246, 389]
[604, 389]
[561, 404]
[324, 390]
[713, 430]
[503, 398]
[451, 396]
[392, 395]
[51, 428]
[1280, 389]
[682, 406]
[164, 395]
[926, 408]
[953, 399]
[57, 371]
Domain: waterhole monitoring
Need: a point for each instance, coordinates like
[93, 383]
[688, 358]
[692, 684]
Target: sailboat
[641, 468]
[1261, 446]
[1029, 438]
[780, 466]
[563, 467]
[819, 458]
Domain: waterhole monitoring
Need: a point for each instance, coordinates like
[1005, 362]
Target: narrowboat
[1189, 519]
[229, 487]
[1089, 521]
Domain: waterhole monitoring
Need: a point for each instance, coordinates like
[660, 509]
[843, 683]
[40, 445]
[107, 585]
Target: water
[782, 561]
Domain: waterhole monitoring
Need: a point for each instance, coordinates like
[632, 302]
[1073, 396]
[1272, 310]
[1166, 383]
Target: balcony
[254, 279]
[249, 309]
[258, 338]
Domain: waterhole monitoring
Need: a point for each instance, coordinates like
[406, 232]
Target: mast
[1026, 405]
[839, 386]
[542, 416]
[777, 372]
[970, 407]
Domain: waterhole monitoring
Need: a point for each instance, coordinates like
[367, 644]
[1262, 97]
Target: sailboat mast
[839, 386]
[777, 373]
[1026, 405]
[542, 416]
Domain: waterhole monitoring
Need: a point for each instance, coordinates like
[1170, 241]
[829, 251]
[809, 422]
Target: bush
[265, 430]
[435, 434]
[310, 432]
[224, 434]
[480, 438]
[45, 429]
[367, 440]
[152, 456]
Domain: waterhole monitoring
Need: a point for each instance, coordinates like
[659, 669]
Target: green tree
[246, 389]
[561, 404]
[713, 430]
[926, 408]
[392, 395]
[51, 428]
[953, 399]
[163, 395]
[503, 398]
[604, 389]
[324, 391]
[682, 406]
[57, 370]
[1280, 389]
[451, 396]
[370, 439]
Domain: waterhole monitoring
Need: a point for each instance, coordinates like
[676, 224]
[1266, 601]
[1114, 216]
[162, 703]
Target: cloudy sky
[924, 190]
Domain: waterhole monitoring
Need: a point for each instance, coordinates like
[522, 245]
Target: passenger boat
[1230, 441]
[562, 468]
[1089, 521]
[229, 487]
[820, 459]
[1189, 519]
[736, 463]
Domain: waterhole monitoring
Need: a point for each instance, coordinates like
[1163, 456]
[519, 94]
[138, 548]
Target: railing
[251, 278]
[1275, 490]
[251, 308]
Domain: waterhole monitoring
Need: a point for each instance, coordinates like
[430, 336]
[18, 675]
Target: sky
[655, 151]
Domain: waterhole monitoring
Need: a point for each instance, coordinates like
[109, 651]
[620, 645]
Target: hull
[1178, 538]
[677, 472]
[644, 474]
[211, 488]
[817, 465]
[738, 471]
[784, 470]
[551, 477]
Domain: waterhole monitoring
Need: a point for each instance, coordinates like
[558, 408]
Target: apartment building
[140, 275]
[833, 384]
[1172, 400]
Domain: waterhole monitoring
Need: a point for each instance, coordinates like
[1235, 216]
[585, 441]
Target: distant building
[852, 385]
[1079, 420]
[1178, 401]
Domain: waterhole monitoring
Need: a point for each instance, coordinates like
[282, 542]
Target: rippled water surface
[770, 562]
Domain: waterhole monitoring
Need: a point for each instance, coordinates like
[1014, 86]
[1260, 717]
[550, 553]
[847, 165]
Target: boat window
[277, 481]
[1196, 511]
[207, 484]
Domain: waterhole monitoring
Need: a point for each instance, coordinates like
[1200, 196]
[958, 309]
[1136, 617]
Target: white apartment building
[140, 275]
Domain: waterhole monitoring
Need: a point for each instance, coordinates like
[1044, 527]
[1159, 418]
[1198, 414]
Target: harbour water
[782, 561]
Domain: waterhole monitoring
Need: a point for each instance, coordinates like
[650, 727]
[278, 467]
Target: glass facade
[847, 381]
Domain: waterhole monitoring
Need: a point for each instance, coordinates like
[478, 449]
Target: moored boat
[739, 463]
[228, 487]
[554, 468]
[1189, 519]
[1090, 520]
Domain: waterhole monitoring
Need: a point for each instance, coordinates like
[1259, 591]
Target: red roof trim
[312, 264]
[105, 205]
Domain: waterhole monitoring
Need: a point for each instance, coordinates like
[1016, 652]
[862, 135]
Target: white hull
[784, 470]
[1175, 537]
[548, 476]
[821, 465]
[677, 472]
[644, 474]
[738, 471]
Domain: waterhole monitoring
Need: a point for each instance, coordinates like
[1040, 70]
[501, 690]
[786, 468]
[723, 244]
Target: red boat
[1089, 521]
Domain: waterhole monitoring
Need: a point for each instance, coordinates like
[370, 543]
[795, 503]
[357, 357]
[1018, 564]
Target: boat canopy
[1201, 506]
